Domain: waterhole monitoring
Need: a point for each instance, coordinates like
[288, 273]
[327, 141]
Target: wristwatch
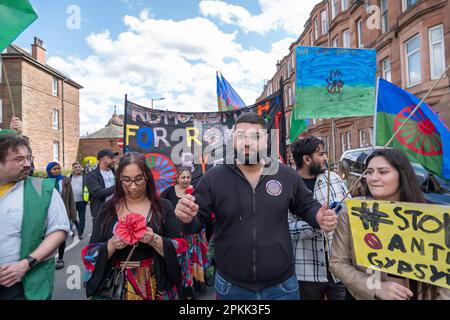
[32, 262]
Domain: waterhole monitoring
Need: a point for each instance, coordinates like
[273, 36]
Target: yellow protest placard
[411, 240]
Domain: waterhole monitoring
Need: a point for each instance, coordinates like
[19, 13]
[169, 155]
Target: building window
[293, 95]
[334, 8]
[1, 72]
[413, 63]
[56, 151]
[362, 138]
[386, 69]
[335, 43]
[290, 96]
[344, 5]
[359, 26]
[367, 5]
[408, 4]
[372, 143]
[316, 28]
[343, 142]
[384, 16]
[324, 19]
[1, 111]
[346, 141]
[346, 39]
[55, 86]
[437, 52]
[55, 119]
[312, 38]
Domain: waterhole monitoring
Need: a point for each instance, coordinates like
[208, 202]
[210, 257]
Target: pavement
[69, 281]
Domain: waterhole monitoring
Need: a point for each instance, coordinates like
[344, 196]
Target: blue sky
[164, 48]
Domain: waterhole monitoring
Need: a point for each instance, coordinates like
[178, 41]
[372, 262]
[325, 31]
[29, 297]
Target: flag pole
[8, 86]
[333, 136]
[328, 183]
[125, 115]
[396, 132]
[329, 164]
[375, 116]
[282, 143]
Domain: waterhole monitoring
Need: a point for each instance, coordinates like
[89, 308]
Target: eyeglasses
[21, 160]
[251, 136]
[138, 181]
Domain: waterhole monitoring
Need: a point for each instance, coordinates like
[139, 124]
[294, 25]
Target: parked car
[436, 190]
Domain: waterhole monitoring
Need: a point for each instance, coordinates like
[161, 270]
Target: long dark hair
[118, 198]
[409, 192]
[408, 185]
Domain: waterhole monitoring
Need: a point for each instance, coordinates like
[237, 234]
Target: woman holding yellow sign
[390, 177]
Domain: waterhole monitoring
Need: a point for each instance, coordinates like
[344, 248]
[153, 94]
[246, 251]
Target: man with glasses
[33, 224]
[101, 181]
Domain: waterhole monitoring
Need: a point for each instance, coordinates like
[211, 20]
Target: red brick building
[412, 39]
[108, 137]
[47, 102]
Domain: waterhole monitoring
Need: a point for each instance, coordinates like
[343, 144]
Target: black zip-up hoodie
[252, 245]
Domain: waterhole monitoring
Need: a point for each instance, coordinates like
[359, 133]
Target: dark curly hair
[10, 142]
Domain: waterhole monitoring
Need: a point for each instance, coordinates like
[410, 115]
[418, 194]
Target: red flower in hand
[131, 228]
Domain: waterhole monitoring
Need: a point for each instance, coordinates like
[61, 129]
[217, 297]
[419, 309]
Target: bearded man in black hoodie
[251, 198]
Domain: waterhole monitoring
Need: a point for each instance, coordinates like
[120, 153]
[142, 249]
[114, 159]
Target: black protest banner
[196, 140]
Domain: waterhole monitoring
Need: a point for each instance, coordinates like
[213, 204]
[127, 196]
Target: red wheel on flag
[418, 134]
[163, 170]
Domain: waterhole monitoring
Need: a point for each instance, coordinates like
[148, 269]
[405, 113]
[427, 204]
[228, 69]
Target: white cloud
[289, 15]
[176, 60]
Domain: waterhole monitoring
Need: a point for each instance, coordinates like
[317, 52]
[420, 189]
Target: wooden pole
[8, 86]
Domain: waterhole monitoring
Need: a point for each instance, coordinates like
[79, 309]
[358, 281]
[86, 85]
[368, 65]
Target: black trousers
[13, 293]
[61, 250]
[318, 290]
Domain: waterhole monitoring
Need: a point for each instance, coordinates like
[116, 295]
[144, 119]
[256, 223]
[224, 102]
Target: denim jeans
[81, 209]
[287, 290]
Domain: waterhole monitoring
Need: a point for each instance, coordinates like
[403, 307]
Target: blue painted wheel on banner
[163, 170]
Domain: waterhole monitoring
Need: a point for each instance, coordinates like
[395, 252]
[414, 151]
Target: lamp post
[156, 100]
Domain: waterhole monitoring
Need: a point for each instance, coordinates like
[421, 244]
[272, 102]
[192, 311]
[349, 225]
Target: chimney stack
[38, 51]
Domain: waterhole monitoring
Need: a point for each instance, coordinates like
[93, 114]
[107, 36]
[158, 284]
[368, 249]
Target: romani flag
[227, 98]
[424, 138]
[15, 17]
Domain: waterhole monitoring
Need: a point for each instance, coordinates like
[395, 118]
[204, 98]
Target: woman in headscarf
[62, 184]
